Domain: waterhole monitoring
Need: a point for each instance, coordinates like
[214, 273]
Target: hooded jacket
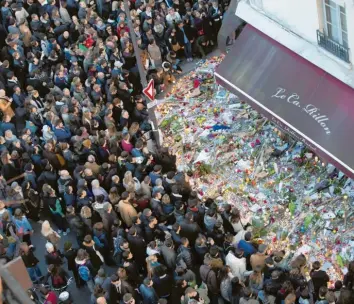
[237, 266]
[208, 276]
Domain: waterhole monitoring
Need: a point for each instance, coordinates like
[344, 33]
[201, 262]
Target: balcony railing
[333, 47]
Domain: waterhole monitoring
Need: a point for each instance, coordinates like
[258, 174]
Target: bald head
[101, 300]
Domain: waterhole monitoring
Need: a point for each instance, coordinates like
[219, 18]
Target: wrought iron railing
[333, 47]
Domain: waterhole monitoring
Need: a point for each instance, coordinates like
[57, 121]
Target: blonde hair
[86, 212]
[166, 199]
[134, 128]
[5, 158]
[130, 187]
[95, 183]
[46, 229]
[128, 178]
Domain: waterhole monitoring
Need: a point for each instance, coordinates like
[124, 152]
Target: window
[336, 22]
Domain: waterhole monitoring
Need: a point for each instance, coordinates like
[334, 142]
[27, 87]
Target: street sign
[149, 90]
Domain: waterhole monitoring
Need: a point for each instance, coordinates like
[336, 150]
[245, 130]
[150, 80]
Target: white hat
[49, 246]
[118, 64]
[64, 296]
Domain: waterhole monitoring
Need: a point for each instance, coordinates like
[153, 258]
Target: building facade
[293, 62]
[321, 31]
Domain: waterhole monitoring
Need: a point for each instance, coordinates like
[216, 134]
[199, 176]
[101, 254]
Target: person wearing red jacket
[50, 296]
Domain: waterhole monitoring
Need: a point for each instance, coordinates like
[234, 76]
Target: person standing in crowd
[74, 154]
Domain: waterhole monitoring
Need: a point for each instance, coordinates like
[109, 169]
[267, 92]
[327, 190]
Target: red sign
[149, 91]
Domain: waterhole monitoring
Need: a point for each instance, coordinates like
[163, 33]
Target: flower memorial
[294, 200]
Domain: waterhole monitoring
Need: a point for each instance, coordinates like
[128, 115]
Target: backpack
[84, 273]
[58, 281]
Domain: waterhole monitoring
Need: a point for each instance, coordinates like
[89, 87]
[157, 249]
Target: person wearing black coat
[137, 246]
[184, 253]
[274, 284]
[70, 254]
[167, 160]
[215, 15]
[76, 224]
[124, 95]
[89, 245]
[48, 176]
[189, 228]
[140, 114]
[118, 289]
[185, 37]
[131, 268]
[53, 256]
[319, 277]
[51, 156]
[163, 282]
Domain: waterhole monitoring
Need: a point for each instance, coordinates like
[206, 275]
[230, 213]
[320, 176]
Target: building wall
[294, 24]
[300, 16]
[305, 17]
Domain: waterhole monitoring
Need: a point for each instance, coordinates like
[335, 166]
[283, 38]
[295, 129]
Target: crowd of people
[75, 157]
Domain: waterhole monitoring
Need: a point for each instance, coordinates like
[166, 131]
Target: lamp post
[142, 73]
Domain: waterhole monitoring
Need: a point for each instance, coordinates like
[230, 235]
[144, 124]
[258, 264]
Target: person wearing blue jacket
[23, 227]
[62, 133]
[148, 292]
[247, 248]
[154, 175]
[138, 150]
[6, 124]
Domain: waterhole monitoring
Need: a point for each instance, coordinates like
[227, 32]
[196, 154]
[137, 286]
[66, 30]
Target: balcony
[333, 47]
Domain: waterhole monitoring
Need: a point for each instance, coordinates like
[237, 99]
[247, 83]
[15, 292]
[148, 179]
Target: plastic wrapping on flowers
[293, 200]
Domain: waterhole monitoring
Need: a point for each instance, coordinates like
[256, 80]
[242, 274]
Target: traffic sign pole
[142, 74]
[149, 91]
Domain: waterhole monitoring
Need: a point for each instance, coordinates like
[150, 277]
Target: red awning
[299, 97]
